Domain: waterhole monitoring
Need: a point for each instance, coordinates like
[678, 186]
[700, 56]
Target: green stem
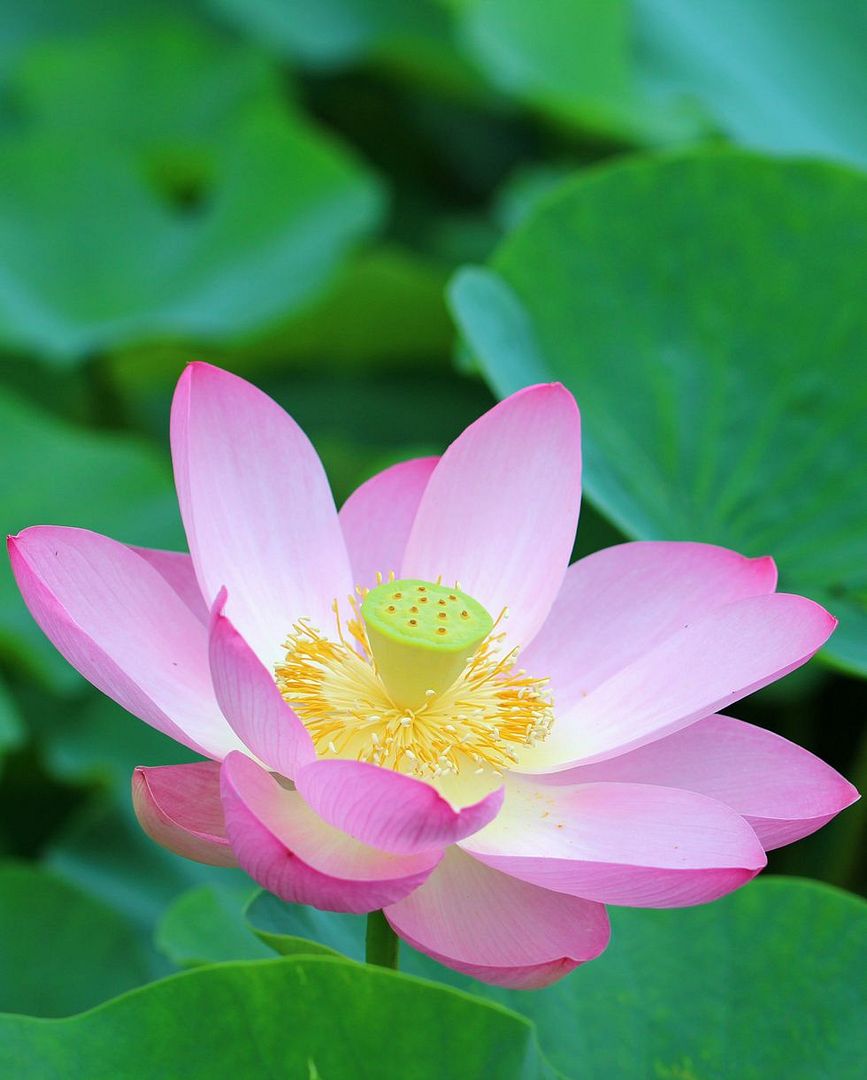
[382, 942]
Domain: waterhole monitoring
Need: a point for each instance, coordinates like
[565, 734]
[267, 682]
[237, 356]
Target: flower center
[417, 683]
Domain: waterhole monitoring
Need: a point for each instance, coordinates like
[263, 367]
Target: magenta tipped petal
[497, 929]
[292, 852]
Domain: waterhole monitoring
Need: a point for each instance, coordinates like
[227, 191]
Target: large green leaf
[205, 925]
[116, 484]
[707, 311]
[767, 982]
[572, 59]
[312, 1018]
[782, 75]
[204, 209]
[61, 951]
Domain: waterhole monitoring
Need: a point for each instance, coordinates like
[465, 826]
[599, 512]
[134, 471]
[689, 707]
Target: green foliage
[696, 992]
[285, 187]
[311, 1017]
[62, 951]
[705, 310]
[192, 178]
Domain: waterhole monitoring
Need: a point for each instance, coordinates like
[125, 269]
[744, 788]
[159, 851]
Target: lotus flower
[417, 705]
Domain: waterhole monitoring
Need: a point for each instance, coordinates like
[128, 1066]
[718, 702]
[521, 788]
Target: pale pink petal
[699, 669]
[387, 809]
[179, 807]
[118, 621]
[289, 850]
[251, 701]
[377, 518]
[497, 929]
[500, 510]
[618, 603]
[257, 509]
[178, 570]
[634, 844]
[782, 790]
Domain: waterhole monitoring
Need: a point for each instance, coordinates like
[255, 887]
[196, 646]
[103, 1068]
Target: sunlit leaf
[310, 1017]
[706, 310]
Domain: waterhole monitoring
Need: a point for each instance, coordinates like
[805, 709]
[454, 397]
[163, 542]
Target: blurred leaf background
[386, 213]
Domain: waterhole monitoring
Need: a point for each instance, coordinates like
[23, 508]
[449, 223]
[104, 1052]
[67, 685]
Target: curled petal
[388, 810]
[497, 929]
[292, 852]
[179, 807]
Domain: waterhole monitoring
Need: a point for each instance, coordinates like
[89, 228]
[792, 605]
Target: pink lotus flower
[490, 747]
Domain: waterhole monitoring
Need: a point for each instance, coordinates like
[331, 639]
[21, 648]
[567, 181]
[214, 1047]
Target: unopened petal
[179, 807]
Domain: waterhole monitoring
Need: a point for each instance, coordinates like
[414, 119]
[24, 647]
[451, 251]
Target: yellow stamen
[474, 725]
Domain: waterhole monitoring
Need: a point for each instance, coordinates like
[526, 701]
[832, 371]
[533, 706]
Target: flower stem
[382, 942]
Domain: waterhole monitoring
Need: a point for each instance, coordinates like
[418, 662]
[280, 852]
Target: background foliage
[386, 213]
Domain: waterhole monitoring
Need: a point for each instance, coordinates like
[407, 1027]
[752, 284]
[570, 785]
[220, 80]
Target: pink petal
[388, 810]
[283, 845]
[377, 518]
[251, 701]
[257, 509]
[178, 570]
[633, 844]
[500, 510]
[179, 807]
[618, 603]
[119, 622]
[694, 672]
[782, 790]
[497, 929]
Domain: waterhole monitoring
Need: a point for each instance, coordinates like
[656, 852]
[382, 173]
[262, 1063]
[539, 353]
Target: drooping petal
[500, 509]
[258, 513]
[292, 852]
[179, 807]
[178, 570]
[782, 790]
[633, 844]
[618, 603]
[377, 517]
[496, 928]
[387, 809]
[251, 701]
[696, 671]
[119, 622]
